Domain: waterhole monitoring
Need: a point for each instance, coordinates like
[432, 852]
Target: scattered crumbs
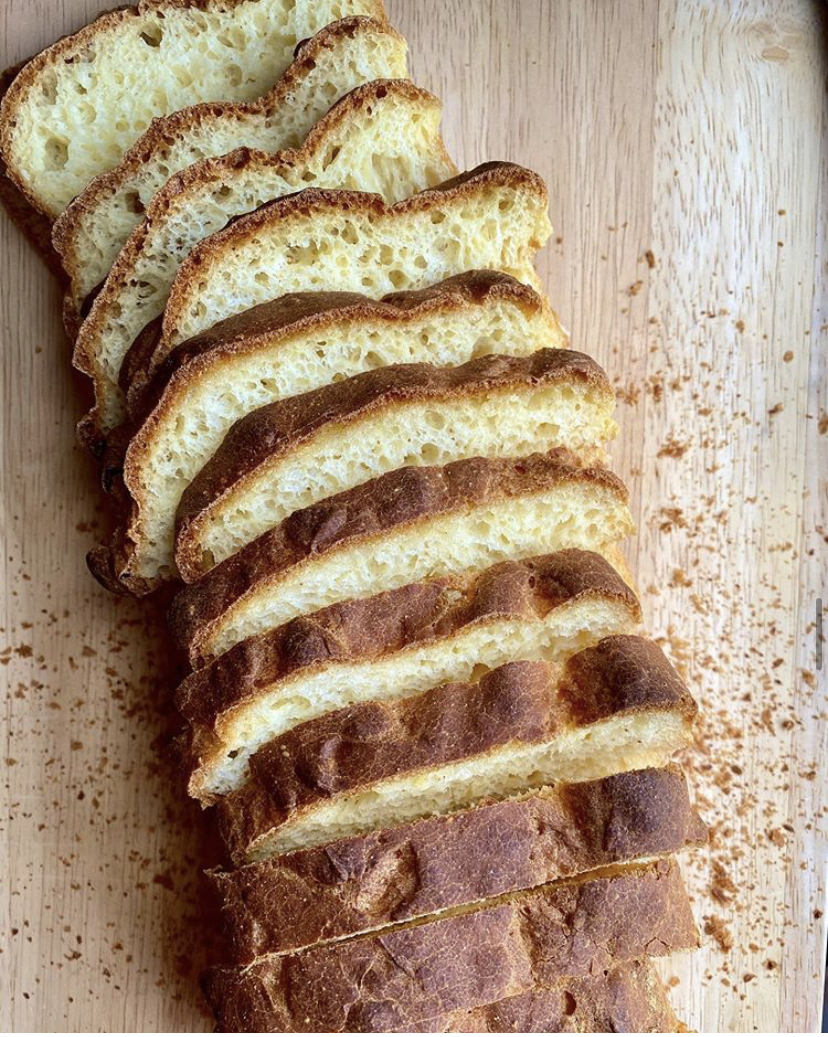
[650, 257]
[777, 408]
[671, 518]
[716, 928]
[823, 423]
[680, 579]
[788, 356]
[673, 448]
[635, 288]
[722, 887]
[740, 326]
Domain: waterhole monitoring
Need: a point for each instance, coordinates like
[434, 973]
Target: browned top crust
[309, 312]
[394, 980]
[143, 150]
[359, 745]
[369, 628]
[396, 874]
[495, 175]
[399, 498]
[628, 998]
[273, 431]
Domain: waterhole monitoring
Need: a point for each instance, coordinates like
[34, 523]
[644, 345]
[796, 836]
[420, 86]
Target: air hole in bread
[57, 154]
[152, 37]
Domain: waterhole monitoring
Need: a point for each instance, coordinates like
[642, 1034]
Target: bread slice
[629, 998]
[365, 883]
[625, 998]
[298, 451]
[93, 229]
[382, 137]
[613, 707]
[399, 979]
[390, 646]
[284, 348]
[74, 110]
[405, 526]
[493, 217]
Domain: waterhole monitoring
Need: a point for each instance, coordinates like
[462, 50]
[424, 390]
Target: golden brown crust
[216, 170]
[265, 435]
[528, 703]
[165, 127]
[399, 979]
[406, 497]
[496, 175]
[401, 873]
[629, 998]
[262, 328]
[371, 628]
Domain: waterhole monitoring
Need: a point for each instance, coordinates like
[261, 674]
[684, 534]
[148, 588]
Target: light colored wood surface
[692, 132]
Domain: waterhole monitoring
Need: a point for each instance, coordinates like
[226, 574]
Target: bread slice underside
[629, 998]
[616, 706]
[493, 217]
[405, 526]
[73, 111]
[367, 882]
[399, 979]
[293, 453]
[91, 231]
[287, 347]
[383, 137]
[390, 646]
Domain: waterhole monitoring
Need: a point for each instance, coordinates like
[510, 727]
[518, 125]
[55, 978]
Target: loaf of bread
[392, 645]
[401, 979]
[285, 348]
[405, 526]
[617, 706]
[493, 217]
[397, 874]
[93, 229]
[74, 110]
[383, 137]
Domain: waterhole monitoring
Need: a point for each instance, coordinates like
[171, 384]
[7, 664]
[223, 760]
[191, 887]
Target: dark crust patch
[267, 327]
[259, 440]
[144, 150]
[395, 980]
[396, 874]
[405, 498]
[370, 628]
[489, 175]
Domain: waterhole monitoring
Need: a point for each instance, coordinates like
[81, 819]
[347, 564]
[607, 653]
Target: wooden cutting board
[686, 153]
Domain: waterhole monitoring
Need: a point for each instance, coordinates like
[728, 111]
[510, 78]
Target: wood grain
[686, 153]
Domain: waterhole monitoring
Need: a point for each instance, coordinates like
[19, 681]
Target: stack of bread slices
[332, 401]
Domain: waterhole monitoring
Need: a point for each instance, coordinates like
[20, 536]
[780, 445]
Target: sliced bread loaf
[293, 453]
[397, 874]
[629, 998]
[284, 348]
[400, 979]
[383, 137]
[390, 646]
[493, 217]
[406, 526]
[74, 110]
[614, 707]
[93, 229]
